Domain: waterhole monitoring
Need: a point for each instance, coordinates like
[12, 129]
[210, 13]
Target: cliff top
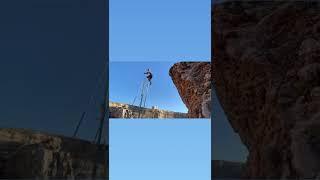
[124, 105]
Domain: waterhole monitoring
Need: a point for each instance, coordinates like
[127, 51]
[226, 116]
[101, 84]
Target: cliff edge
[193, 81]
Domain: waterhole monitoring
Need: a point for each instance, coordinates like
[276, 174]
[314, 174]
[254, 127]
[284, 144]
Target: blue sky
[160, 149]
[226, 144]
[166, 30]
[155, 31]
[125, 79]
[51, 55]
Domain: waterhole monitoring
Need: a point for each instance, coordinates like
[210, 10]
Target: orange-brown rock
[193, 81]
[267, 60]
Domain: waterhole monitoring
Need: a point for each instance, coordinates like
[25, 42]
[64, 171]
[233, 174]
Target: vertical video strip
[160, 99]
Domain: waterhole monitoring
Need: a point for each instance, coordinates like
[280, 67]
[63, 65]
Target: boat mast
[104, 111]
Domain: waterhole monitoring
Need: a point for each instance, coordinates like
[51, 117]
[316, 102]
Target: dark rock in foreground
[29, 154]
[267, 61]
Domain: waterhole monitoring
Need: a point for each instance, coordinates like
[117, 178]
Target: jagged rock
[193, 81]
[29, 154]
[267, 61]
[120, 110]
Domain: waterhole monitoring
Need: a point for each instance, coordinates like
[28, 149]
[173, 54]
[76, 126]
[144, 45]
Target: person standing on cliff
[148, 75]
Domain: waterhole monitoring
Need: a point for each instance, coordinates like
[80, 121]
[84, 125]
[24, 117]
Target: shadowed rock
[29, 154]
[267, 60]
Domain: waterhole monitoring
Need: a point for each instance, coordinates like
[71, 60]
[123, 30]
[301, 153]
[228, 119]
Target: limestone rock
[193, 81]
[267, 78]
[29, 154]
[120, 110]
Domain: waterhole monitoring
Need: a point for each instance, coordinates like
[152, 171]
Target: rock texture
[193, 81]
[120, 110]
[267, 60]
[28, 154]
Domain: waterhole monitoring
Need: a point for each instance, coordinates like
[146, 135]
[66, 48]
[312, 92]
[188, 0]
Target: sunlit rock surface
[193, 81]
[267, 60]
[120, 110]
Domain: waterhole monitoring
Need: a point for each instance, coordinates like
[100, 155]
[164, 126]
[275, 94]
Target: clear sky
[52, 53]
[226, 144]
[160, 149]
[125, 79]
[166, 30]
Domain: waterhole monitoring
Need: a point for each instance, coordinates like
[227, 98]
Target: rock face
[193, 81]
[27, 154]
[267, 60]
[119, 110]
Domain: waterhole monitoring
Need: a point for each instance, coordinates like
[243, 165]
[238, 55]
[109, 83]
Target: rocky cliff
[193, 81]
[267, 60]
[120, 110]
[29, 154]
